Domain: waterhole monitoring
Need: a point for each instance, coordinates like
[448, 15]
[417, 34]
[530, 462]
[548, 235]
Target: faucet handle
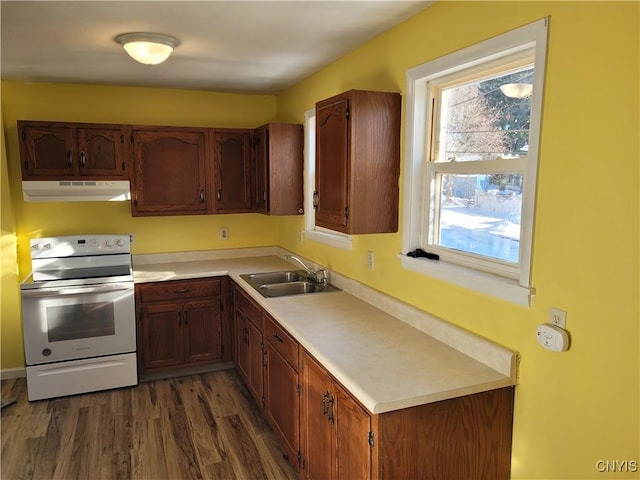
[322, 276]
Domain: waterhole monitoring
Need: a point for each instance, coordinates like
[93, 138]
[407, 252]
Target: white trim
[482, 282]
[311, 232]
[331, 239]
[415, 191]
[7, 373]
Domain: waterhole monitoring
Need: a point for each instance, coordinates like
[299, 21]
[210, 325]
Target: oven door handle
[76, 290]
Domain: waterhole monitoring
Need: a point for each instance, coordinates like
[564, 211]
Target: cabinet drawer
[154, 292]
[281, 341]
[247, 306]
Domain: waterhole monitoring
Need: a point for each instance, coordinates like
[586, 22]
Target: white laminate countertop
[386, 363]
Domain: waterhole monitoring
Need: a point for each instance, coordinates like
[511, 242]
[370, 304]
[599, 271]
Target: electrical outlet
[224, 233]
[131, 238]
[558, 317]
[370, 259]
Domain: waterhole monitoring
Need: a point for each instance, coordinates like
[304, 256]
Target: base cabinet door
[202, 331]
[318, 447]
[282, 406]
[336, 429]
[161, 335]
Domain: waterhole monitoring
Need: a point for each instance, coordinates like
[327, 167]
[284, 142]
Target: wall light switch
[224, 233]
[370, 260]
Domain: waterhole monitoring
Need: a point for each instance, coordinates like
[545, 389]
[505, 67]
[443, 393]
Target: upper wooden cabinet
[358, 162]
[278, 150]
[231, 185]
[170, 175]
[51, 151]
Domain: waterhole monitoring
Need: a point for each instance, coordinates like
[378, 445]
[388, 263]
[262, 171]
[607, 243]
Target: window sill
[345, 242]
[485, 283]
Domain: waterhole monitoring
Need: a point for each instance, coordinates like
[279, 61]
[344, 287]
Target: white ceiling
[237, 46]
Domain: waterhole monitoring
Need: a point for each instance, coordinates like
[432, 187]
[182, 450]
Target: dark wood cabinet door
[256, 363]
[169, 173]
[242, 346]
[47, 151]
[202, 322]
[232, 171]
[101, 152]
[261, 169]
[162, 335]
[353, 425]
[318, 441]
[282, 401]
[332, 164]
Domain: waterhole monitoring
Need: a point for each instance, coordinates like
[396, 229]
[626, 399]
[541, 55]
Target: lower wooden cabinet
[336, 429]
[329, 435]
[249, 344]
[282, 387]
[180, 323]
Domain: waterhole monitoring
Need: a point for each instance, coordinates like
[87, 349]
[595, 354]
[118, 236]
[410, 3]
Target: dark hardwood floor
[203, 426]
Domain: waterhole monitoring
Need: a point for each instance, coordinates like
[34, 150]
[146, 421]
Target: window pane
[480, 214]
[487, 119]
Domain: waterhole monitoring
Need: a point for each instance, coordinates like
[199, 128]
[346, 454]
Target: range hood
[76, 190]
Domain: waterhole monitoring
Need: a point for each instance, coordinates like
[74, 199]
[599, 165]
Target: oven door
[68, 323]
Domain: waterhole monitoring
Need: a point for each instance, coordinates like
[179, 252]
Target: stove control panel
[79, 245]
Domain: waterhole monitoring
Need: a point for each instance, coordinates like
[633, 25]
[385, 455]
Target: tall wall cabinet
[358, 162]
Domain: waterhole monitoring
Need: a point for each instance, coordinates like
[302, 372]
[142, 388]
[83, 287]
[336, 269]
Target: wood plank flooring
[204, 426]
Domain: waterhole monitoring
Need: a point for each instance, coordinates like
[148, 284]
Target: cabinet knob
[69, 159]
[219, 195]
[83, 159]
[201, 196]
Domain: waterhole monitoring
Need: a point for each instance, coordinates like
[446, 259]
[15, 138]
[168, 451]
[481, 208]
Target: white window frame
[311, 231]
[416, 194]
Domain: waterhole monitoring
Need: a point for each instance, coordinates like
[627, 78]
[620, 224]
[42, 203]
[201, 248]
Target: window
[473, 124]
[311, 231]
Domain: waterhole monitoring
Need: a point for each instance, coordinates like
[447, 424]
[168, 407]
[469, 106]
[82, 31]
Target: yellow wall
[572, 408]
[101, 104]
[575, 408]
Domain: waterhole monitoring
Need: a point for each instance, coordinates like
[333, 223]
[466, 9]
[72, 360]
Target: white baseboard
[8, 373]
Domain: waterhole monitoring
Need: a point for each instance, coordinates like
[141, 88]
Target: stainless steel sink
[285, 283]
[294, 288]
[275, 277]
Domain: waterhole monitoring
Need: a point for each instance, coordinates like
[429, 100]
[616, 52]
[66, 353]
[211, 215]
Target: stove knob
[109, 243]
[46, 352]
[120, 242]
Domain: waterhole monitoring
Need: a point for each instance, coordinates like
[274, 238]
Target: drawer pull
[278, 338]
[182, 290]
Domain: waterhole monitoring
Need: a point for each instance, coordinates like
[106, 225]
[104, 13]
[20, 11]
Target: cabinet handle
[83, 159]
[278, 338]
[201, 196]
[315, 200]
[219, 195]
[331, 417]
[182, 290]
[179, 318]
[69, 159]
[325, 398]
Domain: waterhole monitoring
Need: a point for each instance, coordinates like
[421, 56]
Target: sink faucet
[319, 276]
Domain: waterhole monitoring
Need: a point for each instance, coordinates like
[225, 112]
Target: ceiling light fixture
[148, 48]
[517, 90]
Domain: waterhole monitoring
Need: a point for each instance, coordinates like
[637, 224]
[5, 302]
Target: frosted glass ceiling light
[148, 48]
[517, 90]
